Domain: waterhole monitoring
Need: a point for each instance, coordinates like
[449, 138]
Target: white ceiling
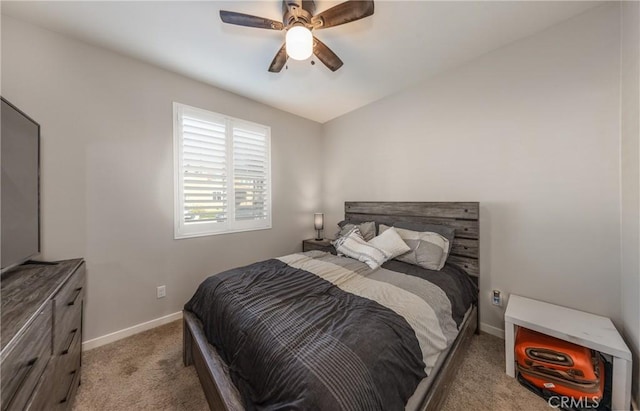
[403, 43]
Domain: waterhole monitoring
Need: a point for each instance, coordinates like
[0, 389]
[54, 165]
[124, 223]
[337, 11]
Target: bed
[428, 391]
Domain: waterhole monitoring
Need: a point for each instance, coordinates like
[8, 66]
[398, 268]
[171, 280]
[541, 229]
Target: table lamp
[318, 222]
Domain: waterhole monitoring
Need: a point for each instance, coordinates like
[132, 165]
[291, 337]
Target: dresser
[41, 338]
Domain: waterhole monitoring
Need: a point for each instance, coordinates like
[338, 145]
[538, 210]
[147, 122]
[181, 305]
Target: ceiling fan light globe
[299, 43]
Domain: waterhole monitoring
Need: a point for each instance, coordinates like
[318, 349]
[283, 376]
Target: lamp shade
[318, 221]
[299, 43]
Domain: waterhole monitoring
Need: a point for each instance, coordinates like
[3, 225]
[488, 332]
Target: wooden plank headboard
[463, 216]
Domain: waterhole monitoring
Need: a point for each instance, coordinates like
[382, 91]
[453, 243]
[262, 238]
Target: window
[222, 173]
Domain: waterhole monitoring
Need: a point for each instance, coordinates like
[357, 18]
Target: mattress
[285, 327]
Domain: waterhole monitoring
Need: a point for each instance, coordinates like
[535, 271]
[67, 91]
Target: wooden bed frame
[213, 373]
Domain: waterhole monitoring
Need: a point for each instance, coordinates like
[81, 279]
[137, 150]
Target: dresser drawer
[68, 311]
[69, 359]
[24, 362]
[59, 382]
[68, 383]
[42, 398]
[67, 332]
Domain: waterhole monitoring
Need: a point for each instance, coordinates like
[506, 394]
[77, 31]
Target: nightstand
[588, 330]
[322, 245]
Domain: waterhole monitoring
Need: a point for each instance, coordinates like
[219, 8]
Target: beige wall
[531, 131]
[107, 173]
[630, 182]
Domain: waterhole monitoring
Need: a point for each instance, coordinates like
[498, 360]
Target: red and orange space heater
[559, 366]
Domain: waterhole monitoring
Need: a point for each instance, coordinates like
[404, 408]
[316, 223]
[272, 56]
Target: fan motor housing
[296, 15]
[308, 5]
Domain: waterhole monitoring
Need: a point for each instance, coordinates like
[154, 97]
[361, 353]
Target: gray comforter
[316, 331]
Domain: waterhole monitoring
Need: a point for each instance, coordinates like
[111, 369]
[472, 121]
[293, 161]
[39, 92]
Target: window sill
[177, 236]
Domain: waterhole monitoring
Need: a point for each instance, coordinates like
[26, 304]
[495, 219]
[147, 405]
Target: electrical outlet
[496, 298]
[162, 291]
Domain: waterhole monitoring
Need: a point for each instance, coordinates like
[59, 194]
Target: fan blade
[279, 60]
[343, 13]
[248, 20]
[325, 55]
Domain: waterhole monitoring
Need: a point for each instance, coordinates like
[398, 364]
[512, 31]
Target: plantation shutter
[251, 172]
[222, 173]
[204, 166]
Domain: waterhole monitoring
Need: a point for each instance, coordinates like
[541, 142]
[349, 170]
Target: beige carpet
[145, 372]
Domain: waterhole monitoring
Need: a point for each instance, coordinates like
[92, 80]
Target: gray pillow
[367, 229]
[428, 249]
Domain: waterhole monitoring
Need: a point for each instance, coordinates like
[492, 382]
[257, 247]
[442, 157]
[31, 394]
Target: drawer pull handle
[66, 397]
[75, 297]
[70, 338]
[26, 370]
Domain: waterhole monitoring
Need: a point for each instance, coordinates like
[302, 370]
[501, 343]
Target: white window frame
[207, 228]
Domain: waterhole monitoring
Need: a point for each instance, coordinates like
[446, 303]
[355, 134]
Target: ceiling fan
[299, 21]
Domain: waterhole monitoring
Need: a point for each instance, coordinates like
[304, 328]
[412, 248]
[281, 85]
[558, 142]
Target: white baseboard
[490, 329]
[127, 332]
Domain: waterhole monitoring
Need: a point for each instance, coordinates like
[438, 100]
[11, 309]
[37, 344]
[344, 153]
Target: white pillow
[390, 243]
[354, 246]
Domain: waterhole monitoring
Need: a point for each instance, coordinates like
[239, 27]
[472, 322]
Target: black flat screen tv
[20, 181]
